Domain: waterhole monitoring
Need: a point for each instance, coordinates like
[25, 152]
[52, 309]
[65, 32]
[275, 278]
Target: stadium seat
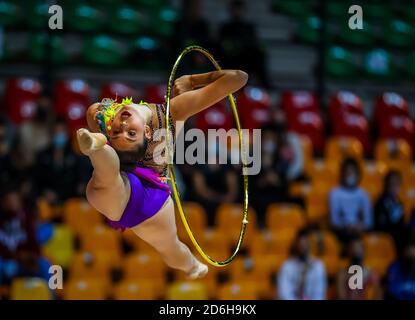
[373, 174]
[295, 8]
[196, 216]
[215, 241]
[256, 105]
[344, 102]
[398, 33]
[377, 12]
[354, 126]
[187, 291]
[239, 291]
[147, 53]
[135, 290]
[317, 205]
[36, 48]
[391, 150]
[20, 96]
[251, 269]
[40, 15]
[90, 265]
[85, 289]
[83, 17]
[60, 248]
[274, 242]
[307, 148]
[103, 50]
[80, 216]
[219, 116]
[103, 239]
[126, 19]
[295, 102]
[340, 63]
[155, 93]
[308, 30]
[337, 10]
[408, 200]
[46, 212]
[357, 37]
[342, 147]
[118, 90]
[380, 251]
[29, 289]
[379, 65]
[390, 104]
[323, 174]
[398, 127]
[166, 18]
[9, 13]
[284, 216]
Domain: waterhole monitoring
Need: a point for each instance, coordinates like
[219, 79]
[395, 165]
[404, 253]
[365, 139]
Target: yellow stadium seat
[284, 216]
[187, 291]
[373, 174]
[390, 151]
[380, 250]
[342, 147]
[317, 205]
[209, 280]
[59, 249]
[323, 172]
[378, 265]
[331, 264]
[239, 291]
[90, 265]
[104, 239]
[30, 289]
[135, 290]
[307, 147]
[196, 215]
[85, 289]
[80, 216]
[300, 189]
[277, 242]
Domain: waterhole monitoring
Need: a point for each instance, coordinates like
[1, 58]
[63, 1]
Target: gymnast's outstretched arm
[194, 93]
[107, 191]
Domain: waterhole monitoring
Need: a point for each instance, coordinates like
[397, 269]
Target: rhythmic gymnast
[127, 182]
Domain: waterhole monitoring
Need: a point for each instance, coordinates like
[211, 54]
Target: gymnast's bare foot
[198, 271]
[90, 141]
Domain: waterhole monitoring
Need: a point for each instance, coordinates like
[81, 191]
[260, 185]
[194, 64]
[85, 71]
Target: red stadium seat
[72, 101]
[295, 102]
[352, 125]
[310, 124]
[21, 95]
[344, 102]
[389, 104]
[215, 117]
[155, 94]
[118, 90]
[398, 127]
[253, 104]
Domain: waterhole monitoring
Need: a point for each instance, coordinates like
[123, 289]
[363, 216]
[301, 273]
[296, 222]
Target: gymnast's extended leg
[161, 233]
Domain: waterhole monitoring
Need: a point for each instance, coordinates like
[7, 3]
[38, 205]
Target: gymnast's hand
[182, 85]
[89, 141]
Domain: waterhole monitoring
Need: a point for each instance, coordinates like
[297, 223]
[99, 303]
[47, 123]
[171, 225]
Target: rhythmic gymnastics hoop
[170, 150]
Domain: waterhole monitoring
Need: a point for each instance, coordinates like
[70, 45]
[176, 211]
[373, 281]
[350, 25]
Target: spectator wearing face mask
[401, 274]
[35, 133]
[349, 205]
[60, 173]
[281, 162]
[389, 210]
[370, 283]
[302, 277]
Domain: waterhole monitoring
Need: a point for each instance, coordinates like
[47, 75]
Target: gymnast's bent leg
[161, 233]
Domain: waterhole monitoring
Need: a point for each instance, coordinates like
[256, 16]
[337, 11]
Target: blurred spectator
[401, 274]
[35, 133]
[389, 210]
[59, 172]
[193, 29]
[240, 45]
[371, 283]
[282, 159]
[349, 205]
[17, 234]
[302, 277]
[8, 170]
[214, 184]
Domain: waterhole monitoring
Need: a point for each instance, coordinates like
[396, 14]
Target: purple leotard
[148, 195]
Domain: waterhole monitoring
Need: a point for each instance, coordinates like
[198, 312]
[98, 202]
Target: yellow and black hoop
[170, 149]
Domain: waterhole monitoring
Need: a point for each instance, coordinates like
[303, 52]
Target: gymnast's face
[128, 129]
